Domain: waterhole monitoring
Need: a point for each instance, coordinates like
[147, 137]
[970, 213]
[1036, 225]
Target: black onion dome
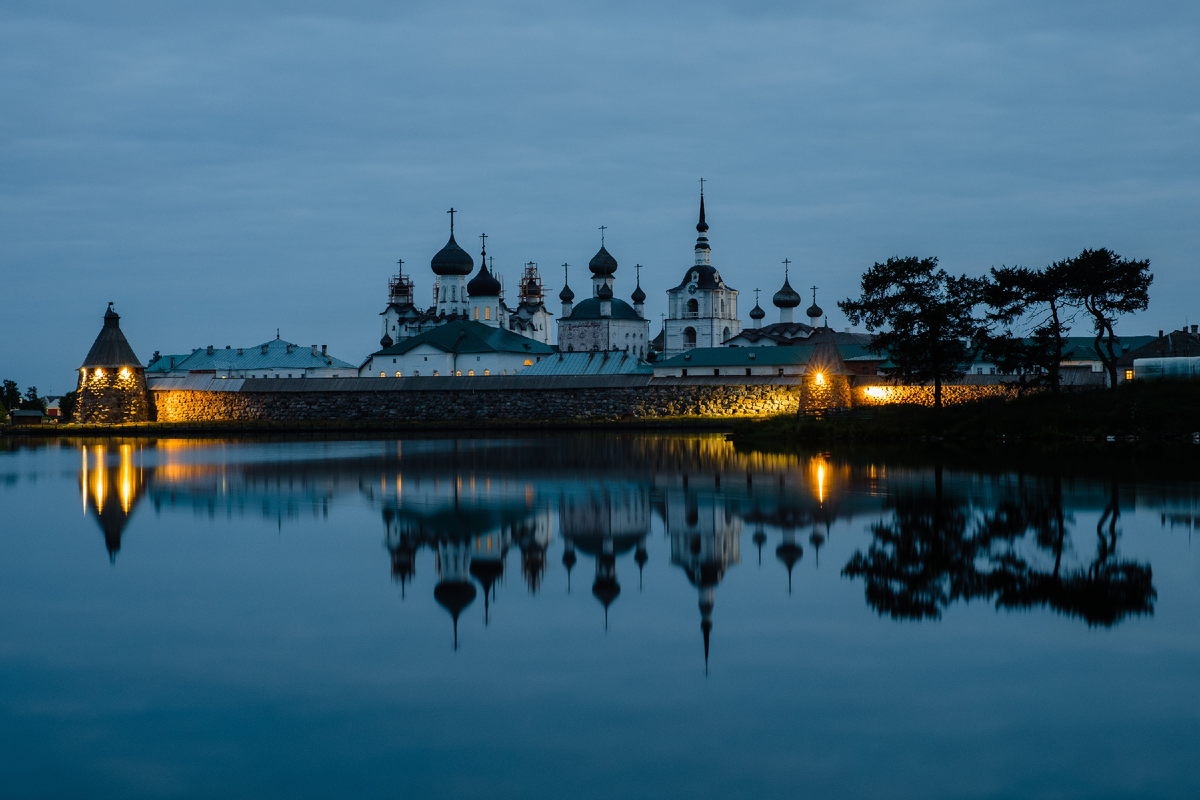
[386, 342]
[483, 284]
[452, 260]
[566, 295]
[787, 297]
[602, 263]
[638, 295]
[757, 312]
[604, 292]
[814, 310]
[532, 288]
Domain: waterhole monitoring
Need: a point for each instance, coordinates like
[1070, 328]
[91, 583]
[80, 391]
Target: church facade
[602, 321]
[702, 310]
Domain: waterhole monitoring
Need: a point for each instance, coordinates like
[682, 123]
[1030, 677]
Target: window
[781, 370]
[399, 374]
[747, 370]
[683, 373]
[453, 297]
[528, 362]
[478, 358]
[470, 373]
[1128, 374]
[381, 375]
[487, 372]
[289, 374]
[487, 312]
[458, 373]
[689, 337]
[416, 373]
[426, 358]
[435, 373]
[476, 313]
[393, 361]
[693, 307]
[716, 372]
[979, 371]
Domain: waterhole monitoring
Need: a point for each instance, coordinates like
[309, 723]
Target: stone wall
[878, 394]
[453, 404]
[830, 393]
[109, 396]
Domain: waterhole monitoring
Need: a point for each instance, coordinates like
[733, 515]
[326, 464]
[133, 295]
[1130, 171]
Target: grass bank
[1145, 410]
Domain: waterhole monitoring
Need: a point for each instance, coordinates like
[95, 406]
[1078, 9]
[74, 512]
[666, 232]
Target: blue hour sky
[220, 170]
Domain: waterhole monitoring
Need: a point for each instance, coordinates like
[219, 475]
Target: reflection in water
[936, 537]
[111, 484]
[937, 549]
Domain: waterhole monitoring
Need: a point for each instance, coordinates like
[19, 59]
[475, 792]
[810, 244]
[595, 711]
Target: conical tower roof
[111, 349]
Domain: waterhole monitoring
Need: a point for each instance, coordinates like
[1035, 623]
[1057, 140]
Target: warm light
[381, 375]
[820, 379]
[99, 373]
[397, 374]
[84, 481]
[99, 478]
[126, 483]
[125, 373]
[821, 482]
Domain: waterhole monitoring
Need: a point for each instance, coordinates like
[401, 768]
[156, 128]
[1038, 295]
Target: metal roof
[163, 363]
[601, 362]
[251, 358]
[468, 336]
[590, 309]
[207, 383]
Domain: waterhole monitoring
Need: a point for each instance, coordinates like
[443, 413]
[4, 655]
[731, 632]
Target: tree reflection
[935, 551]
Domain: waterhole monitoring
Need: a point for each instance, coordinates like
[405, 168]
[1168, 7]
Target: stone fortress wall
[514, 397]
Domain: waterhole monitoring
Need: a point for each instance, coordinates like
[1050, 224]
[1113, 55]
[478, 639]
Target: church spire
[702, 249]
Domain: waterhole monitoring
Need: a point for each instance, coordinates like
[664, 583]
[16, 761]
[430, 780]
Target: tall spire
[702, 249]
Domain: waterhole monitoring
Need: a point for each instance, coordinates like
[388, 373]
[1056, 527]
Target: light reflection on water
[532, 524]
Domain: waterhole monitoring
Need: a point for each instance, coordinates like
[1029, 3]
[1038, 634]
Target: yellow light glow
[125, 373]
[821, 483]
[126, 483]
[99, 373]
[876, 392]
[820, 379]
[83, 482]
[99, 491]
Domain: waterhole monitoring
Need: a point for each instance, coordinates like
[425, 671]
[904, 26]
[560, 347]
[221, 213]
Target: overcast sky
[220, 170]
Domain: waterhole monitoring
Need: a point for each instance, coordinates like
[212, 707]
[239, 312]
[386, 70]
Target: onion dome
[638, 295]
[814, 311]
[604, 292]
[786, 297]
[454, 596]
[483, 284]
[532, 289]
[757, 312]
[566, 295]
[452, 260]
[386, 342]
[602, 263]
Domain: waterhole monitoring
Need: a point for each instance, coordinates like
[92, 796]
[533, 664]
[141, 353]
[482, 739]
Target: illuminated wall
[112, 395]
[952, 394]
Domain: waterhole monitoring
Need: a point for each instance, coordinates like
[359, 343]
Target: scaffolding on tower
[400, 290]
[531, 285]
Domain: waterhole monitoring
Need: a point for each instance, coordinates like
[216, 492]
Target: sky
[224, 170]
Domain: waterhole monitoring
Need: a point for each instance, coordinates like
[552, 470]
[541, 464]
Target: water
[277, 619]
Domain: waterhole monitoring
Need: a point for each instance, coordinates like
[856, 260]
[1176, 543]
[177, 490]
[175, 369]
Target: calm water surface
[595, 617]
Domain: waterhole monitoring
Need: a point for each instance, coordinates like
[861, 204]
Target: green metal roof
[469, 337]
[590, 309]
[599, 362]
[777, 356]
[276, 357]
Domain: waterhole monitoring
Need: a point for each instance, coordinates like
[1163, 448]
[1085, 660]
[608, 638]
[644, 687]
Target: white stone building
[702, 310]
[603, 322]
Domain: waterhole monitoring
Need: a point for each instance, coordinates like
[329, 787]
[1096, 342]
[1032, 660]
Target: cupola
[602, 263]
[452, 260]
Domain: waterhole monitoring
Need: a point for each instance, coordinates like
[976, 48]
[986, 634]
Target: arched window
[722, 305]
[689, 337]
[470, 373]
[529, 362]
[570, 348]
[416, 373]
[487, 312]
[476, 313]
[380, 375]
[725, 335]
[458, 374]
[435, 373]
[453, 293]
[487, 372]
[693, 307]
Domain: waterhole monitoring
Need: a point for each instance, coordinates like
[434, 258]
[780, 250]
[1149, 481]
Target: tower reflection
[933, 536]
